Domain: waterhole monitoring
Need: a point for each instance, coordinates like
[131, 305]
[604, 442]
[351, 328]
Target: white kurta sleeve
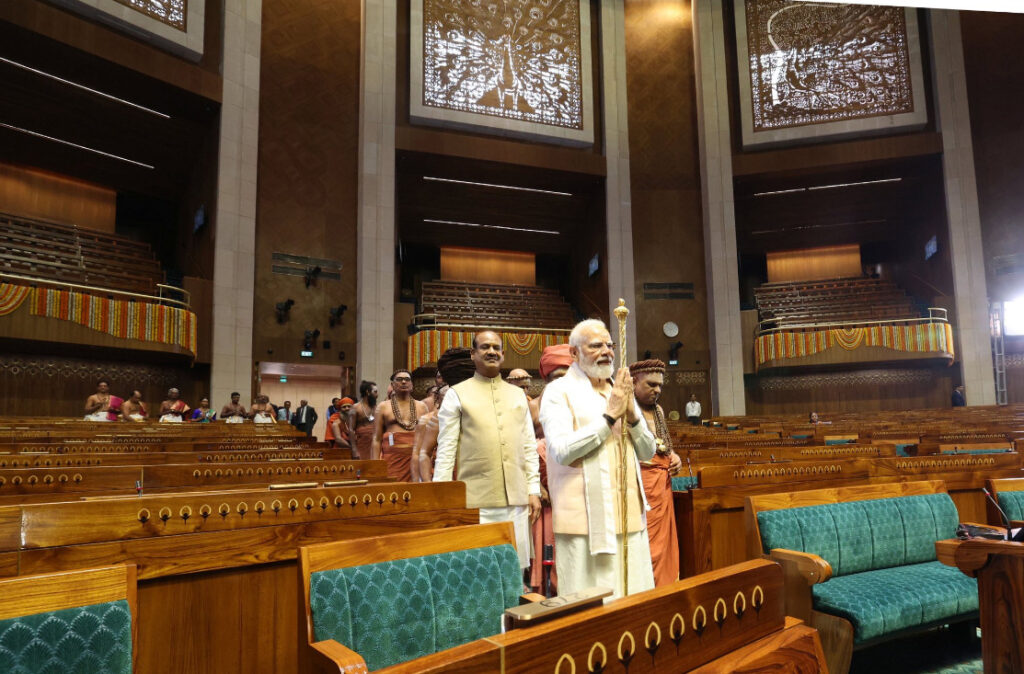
[449, 419]
[532, 459]
[566, 445]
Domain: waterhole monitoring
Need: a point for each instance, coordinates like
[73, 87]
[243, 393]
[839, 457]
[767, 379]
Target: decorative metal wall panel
[518, 66]
[171, 12]
[812, 70]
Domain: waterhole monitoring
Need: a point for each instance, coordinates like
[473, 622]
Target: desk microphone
[1006, 520]
[138, 487]
[689, 468]
[548, 564]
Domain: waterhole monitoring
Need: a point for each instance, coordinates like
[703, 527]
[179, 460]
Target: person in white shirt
[485, 427]
[693, 410]
[582, 414]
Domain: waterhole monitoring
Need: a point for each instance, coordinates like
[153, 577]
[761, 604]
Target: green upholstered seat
[684, 483]
[1012, 503]
[882, 552]
[885, 601]
[901, 448]
[991, 450]
[841, 441]
[392, 612]
[84, 640]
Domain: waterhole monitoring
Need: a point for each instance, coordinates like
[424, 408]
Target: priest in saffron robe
[648, 380]
[394, 430]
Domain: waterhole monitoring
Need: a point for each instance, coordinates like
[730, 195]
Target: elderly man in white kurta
[485, 426]
[582, 414]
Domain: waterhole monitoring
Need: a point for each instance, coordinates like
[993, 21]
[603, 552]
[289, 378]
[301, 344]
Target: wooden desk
[999, 568]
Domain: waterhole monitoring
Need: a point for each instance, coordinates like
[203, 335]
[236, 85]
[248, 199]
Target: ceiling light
[763, 232]
[84, 88]
[477, 224]
[496, 186]
[75, 145]
[827, 187]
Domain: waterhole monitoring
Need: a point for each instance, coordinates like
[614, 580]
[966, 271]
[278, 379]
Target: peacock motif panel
[519, 67]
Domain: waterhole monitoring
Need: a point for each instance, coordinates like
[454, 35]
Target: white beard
[597, 371]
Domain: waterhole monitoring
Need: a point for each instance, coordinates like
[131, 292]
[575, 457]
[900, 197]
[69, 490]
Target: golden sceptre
[621, 313]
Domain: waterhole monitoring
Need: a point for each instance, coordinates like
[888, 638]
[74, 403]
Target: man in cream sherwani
[582, 414]
[485, 426]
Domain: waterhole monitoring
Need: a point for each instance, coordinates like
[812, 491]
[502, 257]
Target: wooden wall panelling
[37, 194]
[488, 266]
[810, 264]
[307, 193]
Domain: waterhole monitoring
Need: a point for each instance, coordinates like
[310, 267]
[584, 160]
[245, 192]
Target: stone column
[718, 210]
[971, 328]
[618, 205]
[234, 245]
[375, 261]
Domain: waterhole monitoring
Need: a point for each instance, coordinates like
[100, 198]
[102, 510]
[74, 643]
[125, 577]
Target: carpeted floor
[947, 650]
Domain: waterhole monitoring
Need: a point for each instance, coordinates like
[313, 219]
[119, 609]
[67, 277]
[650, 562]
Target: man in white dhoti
[485, 426]
[582, 414]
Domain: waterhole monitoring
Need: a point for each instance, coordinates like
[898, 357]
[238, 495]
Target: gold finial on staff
[621, 314]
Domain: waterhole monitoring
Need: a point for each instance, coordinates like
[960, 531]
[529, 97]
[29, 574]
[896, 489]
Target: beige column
[233, 260]
[375, 264]
[618, 206]
[718, 209]
[965, 244]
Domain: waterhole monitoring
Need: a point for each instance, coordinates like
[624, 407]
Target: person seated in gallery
[233, 412]
[134, 409]
[174, 409]
[337, 432]
[97, 406]
[203, 414]
[262, 412]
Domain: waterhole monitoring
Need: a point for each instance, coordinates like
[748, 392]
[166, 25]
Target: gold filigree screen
[806, 63]
[171, 12]
[517, 60]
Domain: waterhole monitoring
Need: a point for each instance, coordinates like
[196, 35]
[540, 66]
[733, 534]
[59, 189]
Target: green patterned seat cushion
[863, 535]
[841, 441]
[95, 639]
[392, 612]
[1012, 503]
[684, 483]
[884, 601]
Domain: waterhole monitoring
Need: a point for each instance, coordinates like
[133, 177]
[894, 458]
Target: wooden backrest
[814, 497]
[418, 583]
[107, 594]
[783, 472]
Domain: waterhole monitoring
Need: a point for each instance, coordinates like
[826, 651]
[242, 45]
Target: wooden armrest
[330, 656]
[988, 526]
[810, 567]
[530, 598]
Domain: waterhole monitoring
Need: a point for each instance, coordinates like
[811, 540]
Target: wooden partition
[482, 265]
[37, 194]
[811, 264]
[217, 589]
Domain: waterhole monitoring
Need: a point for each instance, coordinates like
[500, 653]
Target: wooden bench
[860, 562]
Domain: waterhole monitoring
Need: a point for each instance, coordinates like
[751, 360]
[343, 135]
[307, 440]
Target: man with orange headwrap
[554, 363]
[337, 425]
[648, 379]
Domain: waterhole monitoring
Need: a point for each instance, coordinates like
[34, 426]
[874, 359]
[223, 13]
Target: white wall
[317, 391]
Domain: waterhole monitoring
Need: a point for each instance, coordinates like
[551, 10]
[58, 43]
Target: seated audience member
[233, 412]
[425, 447]
[284, 412]
[958, 397]
[693, 410]
[337, 433]
[813, 419]
[174, 408]
[333, 407]
[203, 413]
[97, 406]
[521, 378]
[134, 409]
[262, 411]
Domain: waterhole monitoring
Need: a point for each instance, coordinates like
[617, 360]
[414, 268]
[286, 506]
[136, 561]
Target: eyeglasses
[399, 380]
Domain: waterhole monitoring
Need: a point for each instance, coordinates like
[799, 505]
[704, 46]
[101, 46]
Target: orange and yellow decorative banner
[11, 297]
[124, 319]
[917, 338]
[426, 346]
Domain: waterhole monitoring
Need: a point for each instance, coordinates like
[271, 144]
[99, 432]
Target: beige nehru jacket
[485, 427]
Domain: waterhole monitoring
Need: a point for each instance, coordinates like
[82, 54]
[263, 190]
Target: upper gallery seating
[494, 304]
[49, 250]
[832, 301]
